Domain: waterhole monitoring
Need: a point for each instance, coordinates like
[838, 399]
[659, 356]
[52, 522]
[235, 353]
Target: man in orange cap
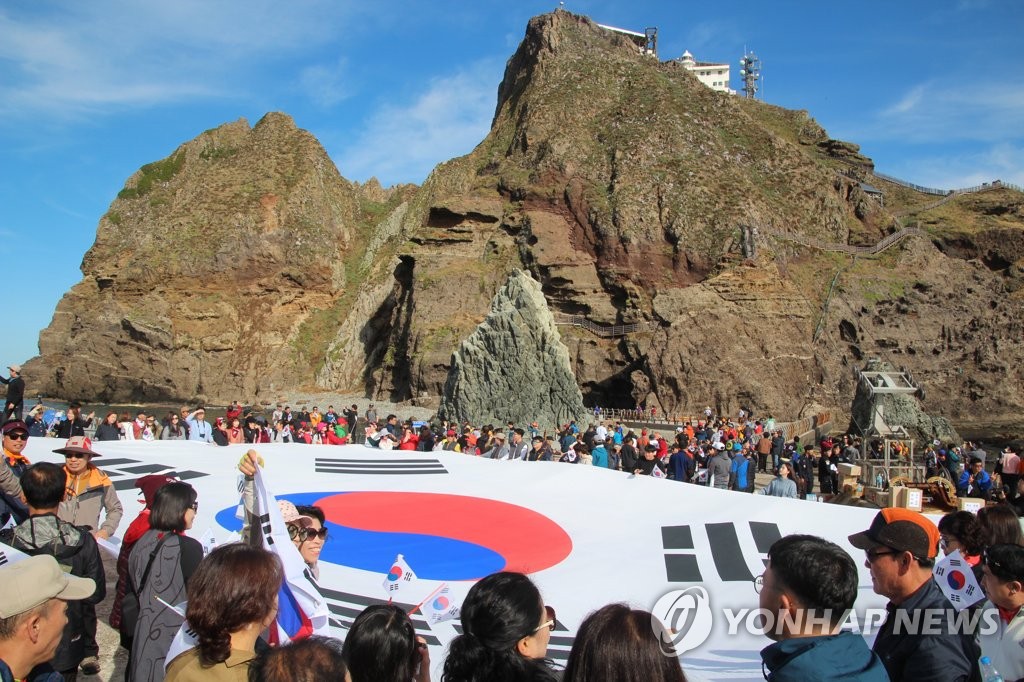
[918, 640]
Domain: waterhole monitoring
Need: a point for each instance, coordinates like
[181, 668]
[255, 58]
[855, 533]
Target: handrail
[601, 330]
[882, 245]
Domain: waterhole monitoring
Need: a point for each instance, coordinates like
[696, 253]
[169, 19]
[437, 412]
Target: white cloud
[404, 143]
[74, 59]
[326, 84]
[907, 103]
[1000, 161]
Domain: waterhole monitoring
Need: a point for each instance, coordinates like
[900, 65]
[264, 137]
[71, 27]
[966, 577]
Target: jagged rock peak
[514, 366]
[551, 33]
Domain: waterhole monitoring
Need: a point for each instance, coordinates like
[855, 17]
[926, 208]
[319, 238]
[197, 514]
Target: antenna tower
[751, 73]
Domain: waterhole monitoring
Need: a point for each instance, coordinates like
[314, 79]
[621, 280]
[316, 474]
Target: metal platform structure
[880, 384]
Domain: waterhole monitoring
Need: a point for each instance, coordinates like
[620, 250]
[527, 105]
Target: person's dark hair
[44, 485]
[975, 460]
[618, 643]
[966, 528]
[312, 512]
[234, 586]
[1006, 561]
[818, 572]
[499, 611]
[308, 660]
[381, 646]
[1000, 525]
[169, 506]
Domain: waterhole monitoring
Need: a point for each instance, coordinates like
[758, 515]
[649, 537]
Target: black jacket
[107, 431]
[76, 551]
[926, 655]
[67, 428]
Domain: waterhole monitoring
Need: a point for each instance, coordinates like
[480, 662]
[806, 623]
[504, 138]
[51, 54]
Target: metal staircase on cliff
[604, 331]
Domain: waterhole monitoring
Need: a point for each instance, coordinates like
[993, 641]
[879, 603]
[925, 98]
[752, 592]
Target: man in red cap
[89, 492]
[918, 640]
[136, 529]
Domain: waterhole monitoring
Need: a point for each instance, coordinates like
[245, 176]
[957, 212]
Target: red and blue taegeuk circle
[442, 536]
[956, 580]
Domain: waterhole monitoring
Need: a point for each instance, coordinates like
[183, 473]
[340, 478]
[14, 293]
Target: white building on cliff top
[715, 76]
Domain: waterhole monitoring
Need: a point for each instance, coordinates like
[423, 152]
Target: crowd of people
[808, 589]
[61, 511]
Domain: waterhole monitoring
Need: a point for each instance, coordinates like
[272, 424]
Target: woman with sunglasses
[306, 529]
[1003, 582]
[159, 569]
[505, 632]
[382, 646]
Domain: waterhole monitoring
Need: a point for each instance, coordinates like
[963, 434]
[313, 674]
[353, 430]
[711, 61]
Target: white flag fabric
[217, 536]
[656, 472]
[399, 577]
[957, 581]
[439, 606]
[9, 555]
[302, 610]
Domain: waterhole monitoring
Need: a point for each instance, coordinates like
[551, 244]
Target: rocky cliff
[216, 273]
[629, 191]
[513, 367]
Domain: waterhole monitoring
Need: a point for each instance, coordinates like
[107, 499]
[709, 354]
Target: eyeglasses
[310, 533]
[194, 506]
[549, 623]
[18, 436]
[872, 555]
[74, 455]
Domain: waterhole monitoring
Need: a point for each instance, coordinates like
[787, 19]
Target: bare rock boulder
[514, 366]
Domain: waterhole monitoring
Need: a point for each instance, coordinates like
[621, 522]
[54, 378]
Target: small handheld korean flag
[399, 577]
[213, 538]
[438, 606]
[656, 472]
[956, 580]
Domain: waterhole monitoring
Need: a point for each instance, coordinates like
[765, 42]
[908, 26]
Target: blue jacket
[982, 484]
[845, 656]
[600, 457]
[41, 673]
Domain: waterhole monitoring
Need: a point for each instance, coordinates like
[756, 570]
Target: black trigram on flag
[345, 606]
[392, 467]
[124, 471]
[266, 529]
[682, 566]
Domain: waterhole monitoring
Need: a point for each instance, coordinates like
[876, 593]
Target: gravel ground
[113, 658]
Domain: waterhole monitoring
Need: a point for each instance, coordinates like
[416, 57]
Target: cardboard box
[849, 470]
[877, 496]
[850, 481]
[908, 498]
[971, 504]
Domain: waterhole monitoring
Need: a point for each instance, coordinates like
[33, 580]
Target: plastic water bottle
[988, 671]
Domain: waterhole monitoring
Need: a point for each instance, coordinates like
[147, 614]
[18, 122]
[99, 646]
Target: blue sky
[90, 91]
